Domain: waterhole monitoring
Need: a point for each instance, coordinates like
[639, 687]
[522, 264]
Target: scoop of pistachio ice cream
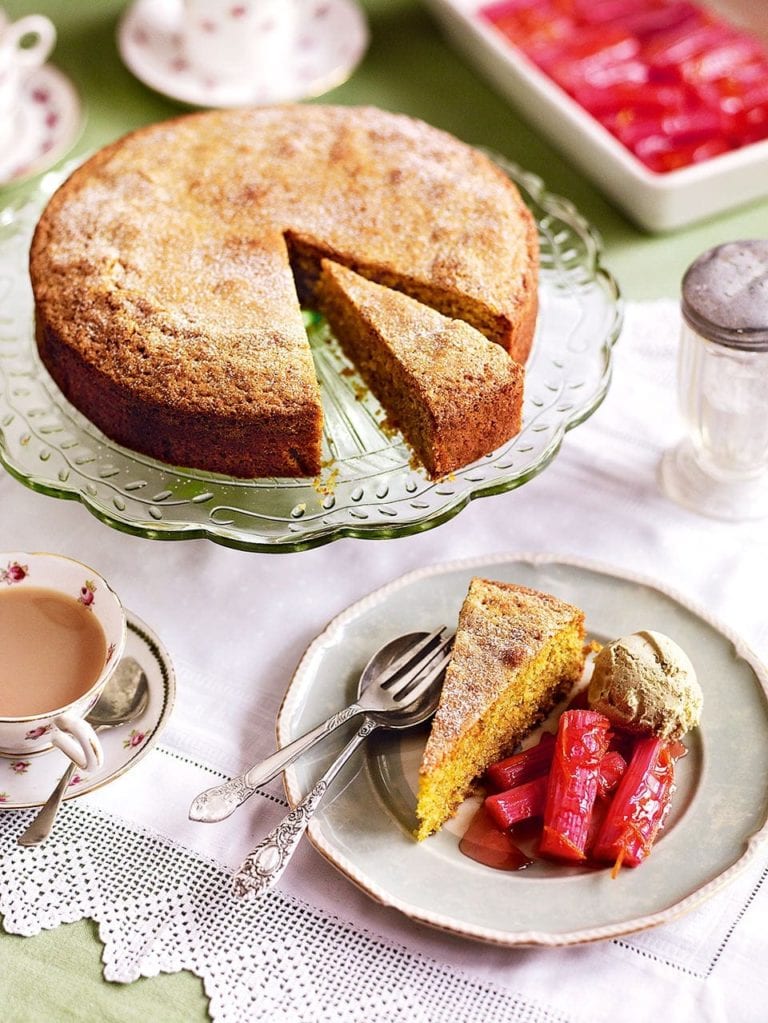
[645, 682]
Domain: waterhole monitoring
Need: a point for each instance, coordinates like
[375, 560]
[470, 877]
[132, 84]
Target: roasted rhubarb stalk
[518, 804]
[528, 800]
[612, 768]
[640, 805]
[522, 767]
[580, 744]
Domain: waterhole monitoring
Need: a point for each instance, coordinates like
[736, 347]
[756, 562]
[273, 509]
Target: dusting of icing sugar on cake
[166, 290]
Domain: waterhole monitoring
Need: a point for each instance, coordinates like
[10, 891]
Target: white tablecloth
[235, 625]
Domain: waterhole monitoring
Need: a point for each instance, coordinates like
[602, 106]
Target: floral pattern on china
[133, 741]
[135, 738]
[13, 573]
[36, 733]
[195, 52]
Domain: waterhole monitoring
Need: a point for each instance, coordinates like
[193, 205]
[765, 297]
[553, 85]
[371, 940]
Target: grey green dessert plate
[718, 816]
[371, 487]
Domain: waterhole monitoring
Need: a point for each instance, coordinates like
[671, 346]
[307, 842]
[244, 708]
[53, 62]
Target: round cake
[169, 270]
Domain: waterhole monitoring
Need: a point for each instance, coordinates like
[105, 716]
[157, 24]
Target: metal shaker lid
[725, 295]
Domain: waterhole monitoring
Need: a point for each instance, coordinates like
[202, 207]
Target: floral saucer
[327, 49]
[28, 781]
[49, 122]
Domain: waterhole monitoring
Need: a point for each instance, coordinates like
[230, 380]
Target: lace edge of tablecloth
[161, 908]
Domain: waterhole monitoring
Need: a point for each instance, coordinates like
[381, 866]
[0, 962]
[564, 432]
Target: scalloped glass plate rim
[341, 841]
[241, 539]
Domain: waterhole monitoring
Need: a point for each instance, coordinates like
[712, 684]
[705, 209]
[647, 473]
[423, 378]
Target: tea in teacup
[53, 650]
[62, 632]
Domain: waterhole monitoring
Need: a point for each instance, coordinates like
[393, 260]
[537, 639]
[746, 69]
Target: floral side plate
[371, 488]
[716, 827]
[28, 781]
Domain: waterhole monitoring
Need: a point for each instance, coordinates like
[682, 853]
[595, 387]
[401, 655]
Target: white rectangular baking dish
[657, 202]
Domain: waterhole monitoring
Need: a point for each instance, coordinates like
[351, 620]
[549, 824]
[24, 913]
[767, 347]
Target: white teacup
[58, 586]
[17, 61]
[240, 39]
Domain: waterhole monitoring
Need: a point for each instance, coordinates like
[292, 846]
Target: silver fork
[401, 670]
[263, 867]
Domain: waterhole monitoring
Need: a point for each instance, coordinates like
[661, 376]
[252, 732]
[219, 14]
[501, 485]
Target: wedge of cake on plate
[517, 651]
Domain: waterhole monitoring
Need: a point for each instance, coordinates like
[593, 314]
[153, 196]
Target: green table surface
[409, 68]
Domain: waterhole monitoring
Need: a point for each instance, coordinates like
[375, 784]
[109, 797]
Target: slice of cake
[517, 651]
[455, 395]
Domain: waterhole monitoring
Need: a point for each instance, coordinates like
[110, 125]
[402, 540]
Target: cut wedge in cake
[517, 651]
[164, 289]
[441, 287]
[455, 395]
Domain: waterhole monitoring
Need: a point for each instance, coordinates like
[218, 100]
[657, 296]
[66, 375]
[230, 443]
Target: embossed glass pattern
[372, 487]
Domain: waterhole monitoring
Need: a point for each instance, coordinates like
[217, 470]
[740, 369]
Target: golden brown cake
[516, 652]
[163, 270]
[454, 394]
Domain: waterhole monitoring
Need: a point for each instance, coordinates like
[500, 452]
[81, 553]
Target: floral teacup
[63, 726]
[17, 62]
[239, 40]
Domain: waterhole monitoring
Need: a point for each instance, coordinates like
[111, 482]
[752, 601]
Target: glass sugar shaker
[721, 467]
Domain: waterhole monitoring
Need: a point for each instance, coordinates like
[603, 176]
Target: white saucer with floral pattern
[28, 781]
[328, 47]
[49, 122]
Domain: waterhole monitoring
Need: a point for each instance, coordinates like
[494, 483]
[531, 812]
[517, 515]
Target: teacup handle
[77, 740]
[32, 25]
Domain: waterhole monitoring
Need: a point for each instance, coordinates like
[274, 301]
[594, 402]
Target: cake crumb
[326, 487]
